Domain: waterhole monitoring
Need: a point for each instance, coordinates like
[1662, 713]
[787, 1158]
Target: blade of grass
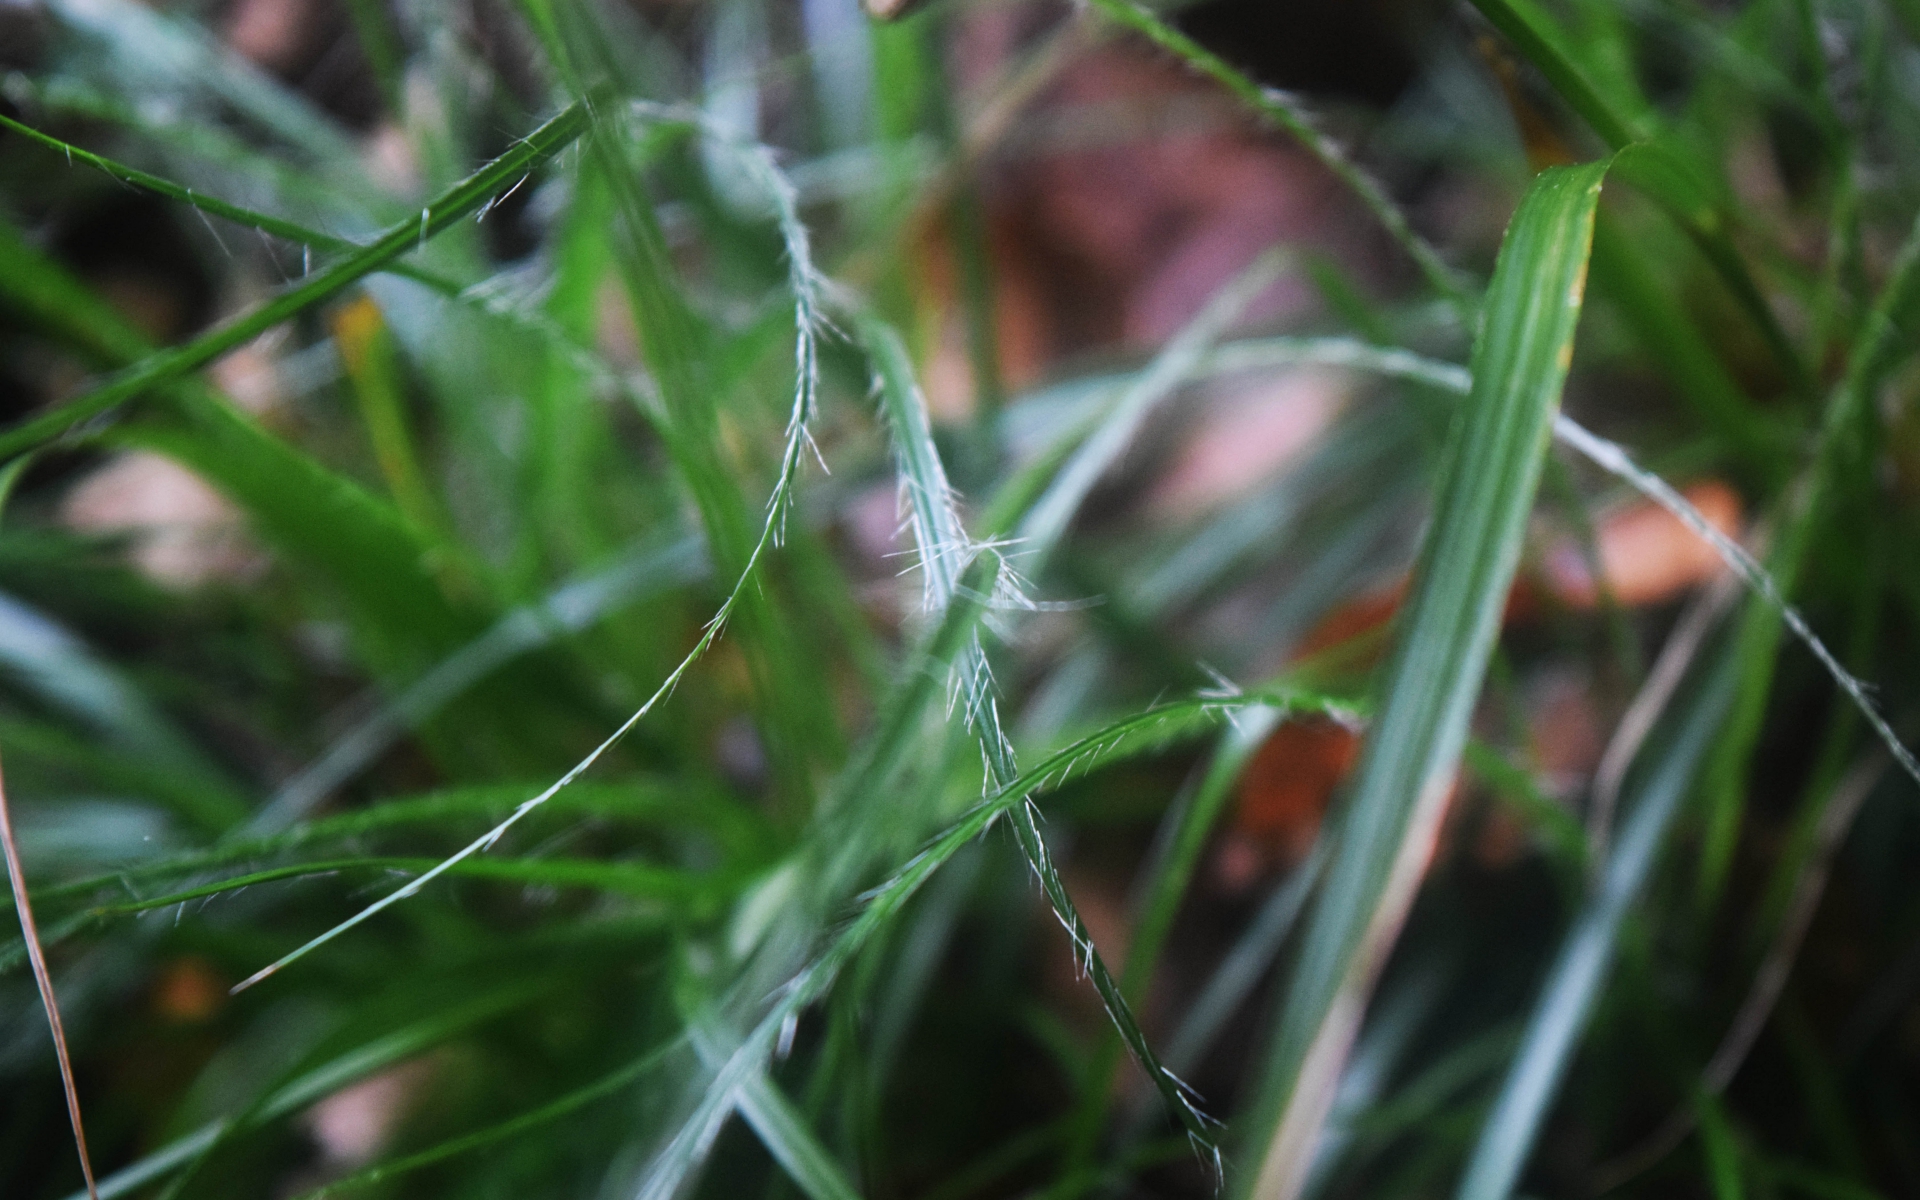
[512, 1127]
[652, 293]
[1661, 171]
[570, 608]
[784, 1133]
[741, 833]
[1449, 624]
[1769, 588]
[167, 366]
[1881, 342]
[1721, 1149]
[691, 892]
[1183, 836]
[480, 297]
[880, 906]
[1573, 984]
[1287, 113]
[1767, 591]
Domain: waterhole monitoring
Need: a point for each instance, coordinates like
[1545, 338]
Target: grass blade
[1874, 354]
[570, 608]
[878, 907]
[1574, 982]
[1284, 111]
[512, 1127]
[786, 1136]
[1661, 171]
[1043, 526]
[169, 365]
[652, 290]
[1449, 624]
[1189, 822]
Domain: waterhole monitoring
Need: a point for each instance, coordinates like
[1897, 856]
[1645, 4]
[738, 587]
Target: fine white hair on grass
[877, 906]
[945, 548]
[805, 282]
[1611, 457]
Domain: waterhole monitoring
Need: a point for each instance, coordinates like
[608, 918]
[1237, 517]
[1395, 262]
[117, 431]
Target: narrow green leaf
[1883, 340]
[1285, 112]
[880, 906]
[1574, 982]
[1652, 166]
[1188, 824]
[1721, 1148]
[512, 1127]
[785, 1135]
[1428, 690]
[1533, 32]
[166, 366]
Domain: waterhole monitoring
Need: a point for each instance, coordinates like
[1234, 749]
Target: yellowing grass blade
[1492, 466]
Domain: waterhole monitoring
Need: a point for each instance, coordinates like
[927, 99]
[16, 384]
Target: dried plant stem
[43, 979]
[1683, 645]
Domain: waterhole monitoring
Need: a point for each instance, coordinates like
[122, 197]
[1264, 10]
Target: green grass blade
[321, 521]
[1189, 823]
[1573, 984]
[741, 833]
[926, 495]
[279, 227]
[1767, 592]
[785, 1135]
[1448, 627]
[1880, 345]
[569, 609]
[653, 293]
[456, 203]
[43, 658]
[512, 1127]
[1544, 45]
[636, 880]
[879, 907]
[1284, 111]
[1045, 524]
[381, 565]
[1660, 170]
[478, 297]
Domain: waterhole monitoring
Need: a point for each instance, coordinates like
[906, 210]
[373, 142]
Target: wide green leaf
[1429, 687]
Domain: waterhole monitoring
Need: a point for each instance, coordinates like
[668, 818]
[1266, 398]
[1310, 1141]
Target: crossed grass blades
[754, 917]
